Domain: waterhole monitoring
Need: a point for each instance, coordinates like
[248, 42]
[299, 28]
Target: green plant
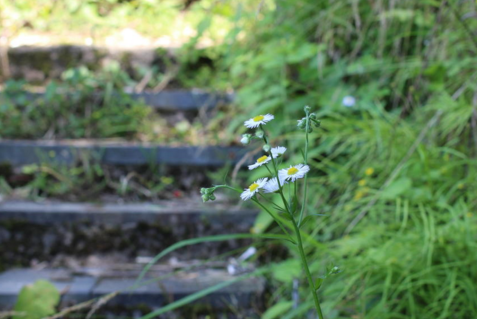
[37, 300]
[392, 81]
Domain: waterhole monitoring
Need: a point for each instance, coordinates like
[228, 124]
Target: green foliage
[37, 300]
[84, 105]
[395, 173]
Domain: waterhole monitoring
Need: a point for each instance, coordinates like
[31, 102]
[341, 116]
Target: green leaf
[318, 282]
[285, 215]
[202, 293]
[294, 204]
[396, 188]
[37, 300]
[277, 310]
[194, 241]
[262, 222]
[287, 271]
[308, 218]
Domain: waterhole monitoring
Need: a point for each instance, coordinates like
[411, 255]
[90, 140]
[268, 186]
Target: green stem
[302, 211]
[263, 207]
[303, 258]
[304, 261]
[273, 216]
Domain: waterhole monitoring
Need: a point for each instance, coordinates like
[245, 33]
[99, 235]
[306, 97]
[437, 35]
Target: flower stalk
[289, 223]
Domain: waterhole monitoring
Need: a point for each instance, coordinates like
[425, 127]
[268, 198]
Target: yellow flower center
[258, 118]
[369, 171]
[292, 171]
[253, 187]
[262, 159]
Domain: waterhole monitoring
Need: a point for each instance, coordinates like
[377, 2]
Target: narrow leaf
[202, 293]
[194, 241]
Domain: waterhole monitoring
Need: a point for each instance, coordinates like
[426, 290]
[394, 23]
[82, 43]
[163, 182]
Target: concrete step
[43, 231]
[21, 152]
[168, 100]
[161, 288]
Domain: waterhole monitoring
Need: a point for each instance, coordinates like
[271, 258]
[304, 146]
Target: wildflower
[349, 101]
[258, 120]
[362, 182]
[253, 189]
[293, 172]
[369, 171]
[260, 161]
[272, 185]
[277, 151]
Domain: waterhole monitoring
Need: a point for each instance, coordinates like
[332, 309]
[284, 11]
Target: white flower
[258, 120]
[293, 172]
[253, 189]
[260, 161]
[349, 101]
[277, 151]
[272, 185]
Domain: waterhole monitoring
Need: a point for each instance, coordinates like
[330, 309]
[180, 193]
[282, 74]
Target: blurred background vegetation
[394, 84]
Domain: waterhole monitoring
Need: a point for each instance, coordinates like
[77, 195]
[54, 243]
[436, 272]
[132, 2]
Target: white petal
[277, 151]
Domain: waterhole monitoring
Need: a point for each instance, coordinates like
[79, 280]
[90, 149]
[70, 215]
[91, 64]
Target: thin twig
[242, 161]
[8, 314]
[83, 305]
[101, 302]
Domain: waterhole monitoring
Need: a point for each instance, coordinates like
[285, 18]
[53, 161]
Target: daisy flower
[272, 185]
[293, 172]
[260, 161]
[277, 151]
[258, 120]
[253, 189]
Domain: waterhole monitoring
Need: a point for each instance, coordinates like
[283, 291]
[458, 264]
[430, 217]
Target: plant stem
[304, 261]
[275, 218]
[303, 258]
[302, 211]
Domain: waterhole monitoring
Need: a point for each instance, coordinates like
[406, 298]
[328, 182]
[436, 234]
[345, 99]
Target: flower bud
[212, 197]
[203, 190]
[205, 198]
[313, 116]
[266, 148]
[245, 139]
[307, 109]
[317, 123]
[259, 133]
[301, 123]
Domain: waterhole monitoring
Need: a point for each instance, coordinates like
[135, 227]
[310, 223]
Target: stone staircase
[91, 250]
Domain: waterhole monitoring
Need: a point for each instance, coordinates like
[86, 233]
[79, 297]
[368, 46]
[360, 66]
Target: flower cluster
[312, 118]
[208, 193]
[285, 176]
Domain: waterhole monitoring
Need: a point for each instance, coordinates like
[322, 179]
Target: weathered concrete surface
[168, 100]
[40, 231]
[159, 289]
[21, 152]
[38, 64]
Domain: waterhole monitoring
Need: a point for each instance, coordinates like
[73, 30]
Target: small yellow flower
[362, 182]
[369, 171]
[460, 186]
